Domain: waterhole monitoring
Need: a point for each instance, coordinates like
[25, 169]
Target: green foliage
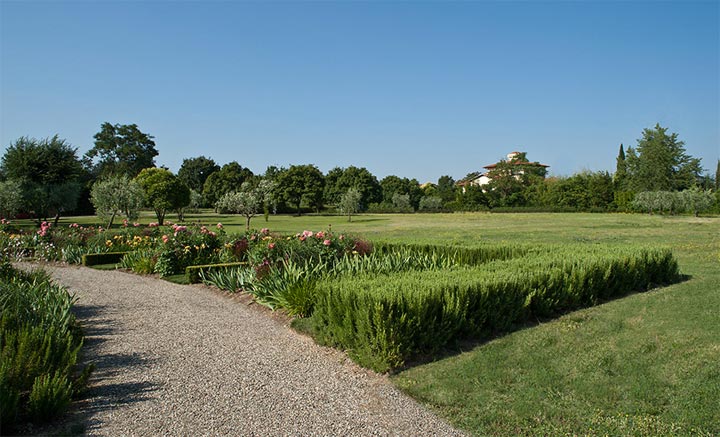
[91, 259]
[694, 200]
[48, 171]
[231, 176]
[212, 272]
[140, 261]
[660, 163]
[339, 181]
[116, 195]
[11, 199]
[301, 183]
[393, 186]
[232, 277]
[39, 346]
[384, 319]
[249, 201]
[195, 171]
[431, 204]
[50, 396]
[121, 150]
[350, 202]
[163, 191]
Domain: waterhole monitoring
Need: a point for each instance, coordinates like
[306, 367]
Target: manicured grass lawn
[647, 364]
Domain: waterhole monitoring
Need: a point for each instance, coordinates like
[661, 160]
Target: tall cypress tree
[717, 176]
[620, 170]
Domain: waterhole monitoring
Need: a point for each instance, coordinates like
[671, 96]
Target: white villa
[482, 178]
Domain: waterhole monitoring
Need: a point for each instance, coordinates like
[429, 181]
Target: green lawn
[646, 364]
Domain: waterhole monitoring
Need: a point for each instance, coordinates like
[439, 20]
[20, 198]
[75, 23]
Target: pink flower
[327, 242]
[219, 225]
[307, 234]
[137, 225]
[271, 246]
[165, 239]
[125, 223]
[264, 231]
[153, 225]
[342, 237]
[320, 235]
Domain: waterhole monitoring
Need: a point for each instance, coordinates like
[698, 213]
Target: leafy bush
[139, 261]
[39, 346]
[384, 319]
[216, 272]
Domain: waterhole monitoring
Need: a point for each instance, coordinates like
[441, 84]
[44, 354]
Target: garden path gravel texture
[186, 360]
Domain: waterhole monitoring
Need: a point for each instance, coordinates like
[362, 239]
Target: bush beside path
[184, 360]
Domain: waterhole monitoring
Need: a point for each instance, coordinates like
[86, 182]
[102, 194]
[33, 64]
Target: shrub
[384, 319]
[39, 346]
[200, 273]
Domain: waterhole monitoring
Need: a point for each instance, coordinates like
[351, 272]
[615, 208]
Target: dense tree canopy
[301, 183]
[339, 180]
[195, 171]
[49, 173]
[229, 178]
[660, 162]
[392, 185]
[121, 149]
[163, 191]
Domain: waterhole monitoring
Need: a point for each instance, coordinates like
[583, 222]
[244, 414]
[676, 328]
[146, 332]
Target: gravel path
[186, 360]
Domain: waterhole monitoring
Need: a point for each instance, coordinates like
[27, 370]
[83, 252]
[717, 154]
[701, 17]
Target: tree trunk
[248, 222]
[112, 219]
[57, 219]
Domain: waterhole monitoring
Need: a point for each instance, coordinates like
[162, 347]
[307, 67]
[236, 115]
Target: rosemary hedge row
[39, 346]
[467, 256]
[382, 320]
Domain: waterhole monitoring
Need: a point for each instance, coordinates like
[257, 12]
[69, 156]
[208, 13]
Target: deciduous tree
[163, 191]
[660, 162]
[121, 149]
[301, 183]
[195, 171]
[49, 172]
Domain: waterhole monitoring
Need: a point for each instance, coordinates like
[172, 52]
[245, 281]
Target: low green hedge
[93, 259]
[382, 320]
[193, 273]
[466, 256]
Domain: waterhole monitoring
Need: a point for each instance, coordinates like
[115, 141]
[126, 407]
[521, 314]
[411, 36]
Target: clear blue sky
[416, 89]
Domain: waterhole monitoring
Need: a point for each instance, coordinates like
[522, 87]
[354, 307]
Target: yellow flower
[108, 243]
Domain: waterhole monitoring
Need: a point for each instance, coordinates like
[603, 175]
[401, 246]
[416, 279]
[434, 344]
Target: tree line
[117, 176]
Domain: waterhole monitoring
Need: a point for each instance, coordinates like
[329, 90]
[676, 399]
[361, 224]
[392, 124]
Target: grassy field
[647, 364]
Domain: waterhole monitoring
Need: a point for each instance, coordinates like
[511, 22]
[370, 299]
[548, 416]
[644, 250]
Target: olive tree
[248, 202]
[10, 198]
[350, 202]
[116, 195]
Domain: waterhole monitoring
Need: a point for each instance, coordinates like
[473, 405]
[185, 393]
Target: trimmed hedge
[93, 259]
[466, 256]
[382, 320]
[193, 273]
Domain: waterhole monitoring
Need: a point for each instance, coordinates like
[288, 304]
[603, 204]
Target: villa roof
[534, 164]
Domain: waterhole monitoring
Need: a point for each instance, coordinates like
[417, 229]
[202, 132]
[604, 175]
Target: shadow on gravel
[118, 379]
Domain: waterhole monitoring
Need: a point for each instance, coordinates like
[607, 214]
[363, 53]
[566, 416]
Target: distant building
[483, 178]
